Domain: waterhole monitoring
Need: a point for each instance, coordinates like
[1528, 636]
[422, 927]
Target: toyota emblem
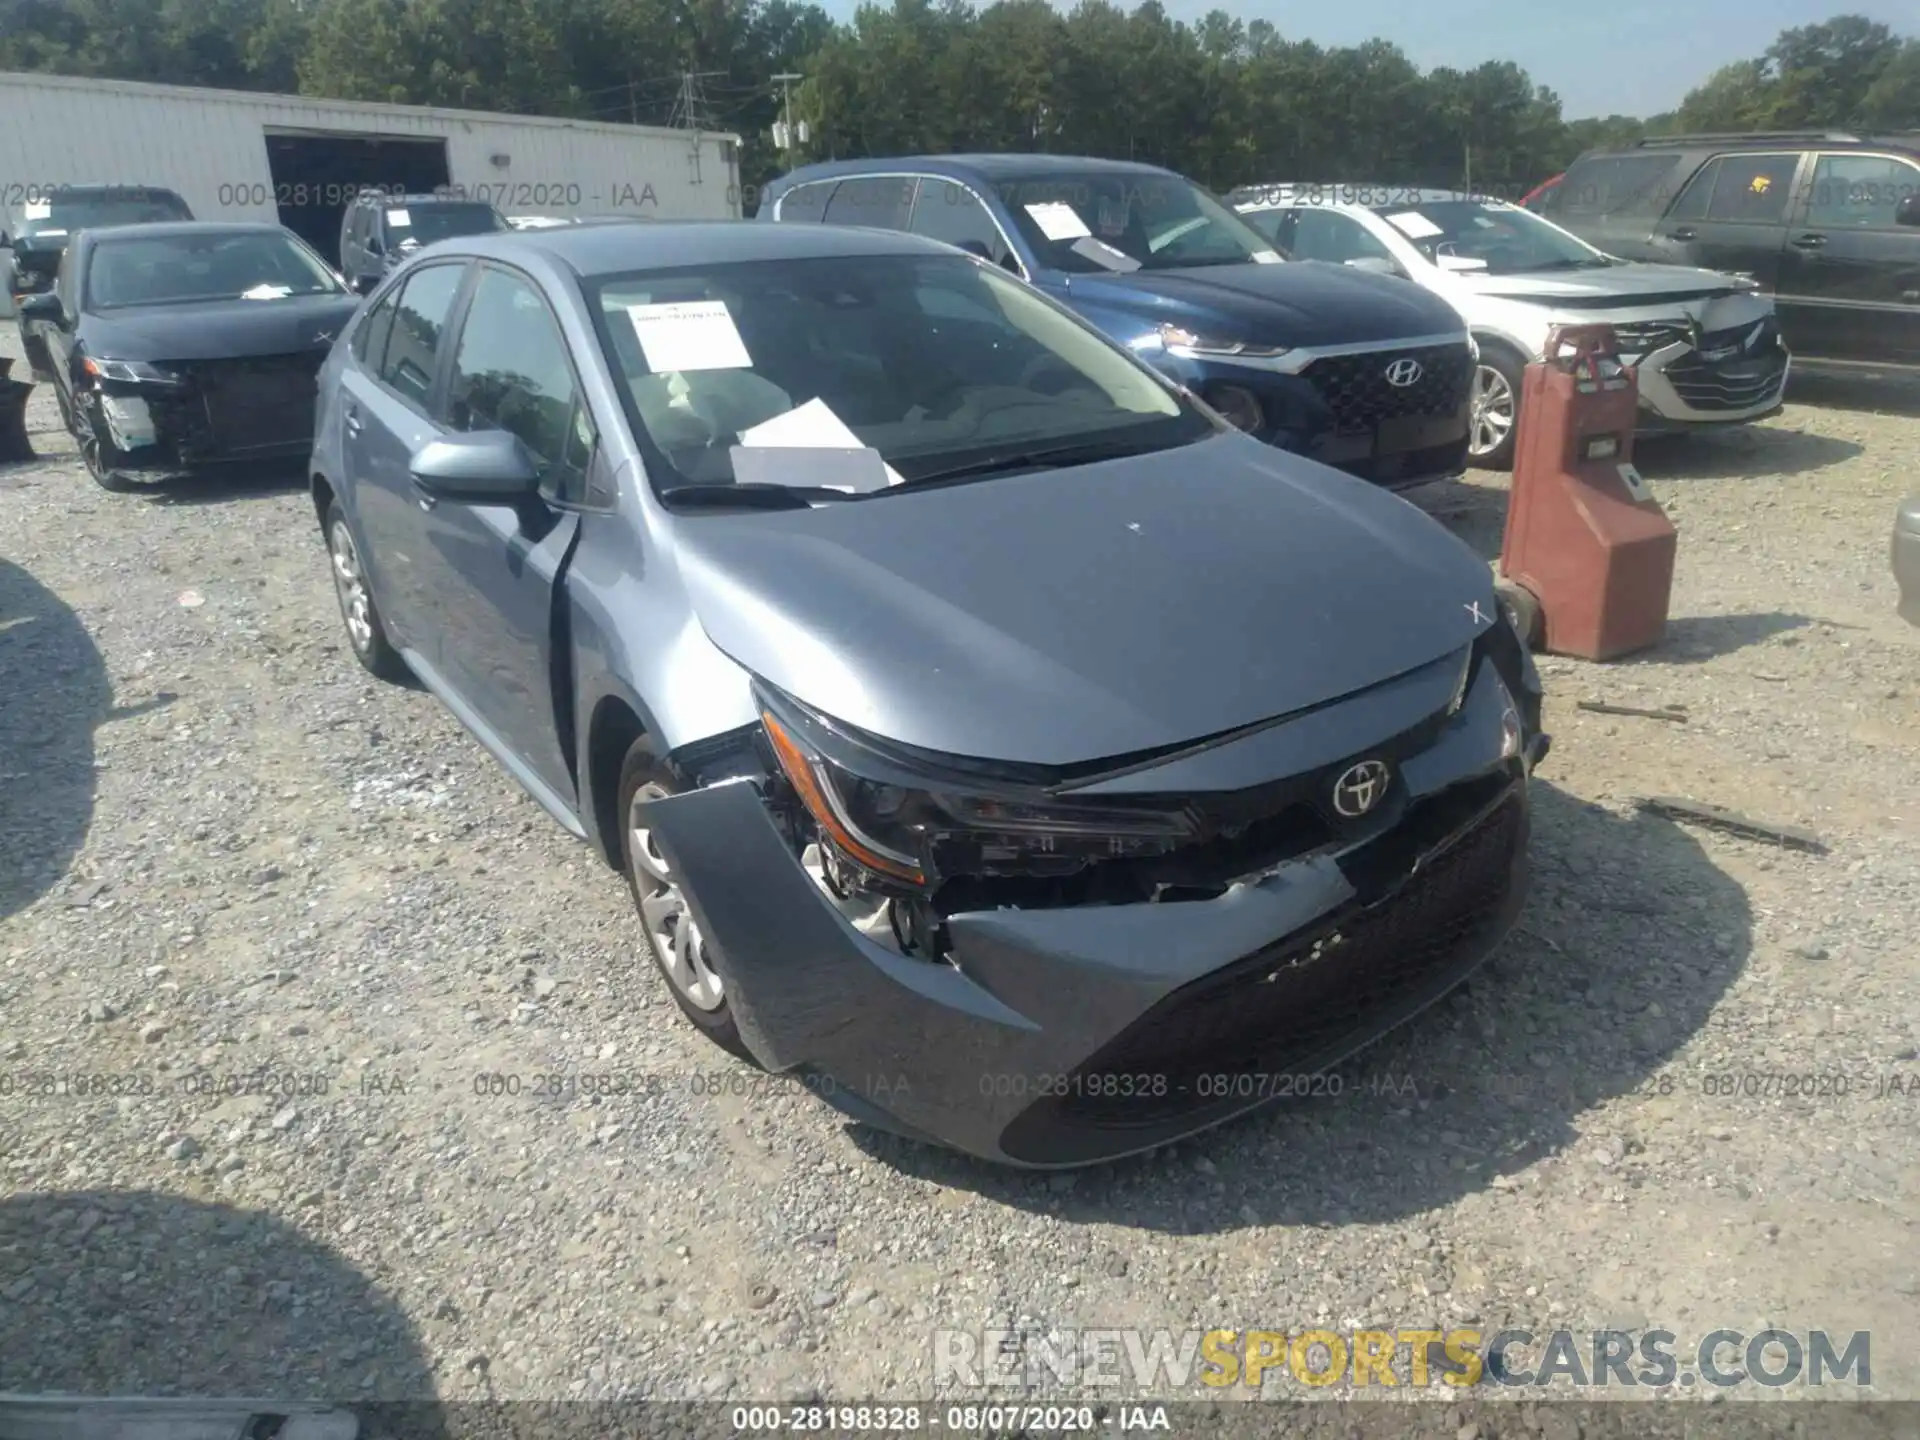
[1361, 788]
[1405, 371]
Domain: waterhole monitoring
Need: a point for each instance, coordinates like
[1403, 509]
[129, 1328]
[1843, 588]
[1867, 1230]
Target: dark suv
[1359, 371]
[1828, 221]
[379, 230]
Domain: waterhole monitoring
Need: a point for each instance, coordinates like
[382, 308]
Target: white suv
[1706, 346]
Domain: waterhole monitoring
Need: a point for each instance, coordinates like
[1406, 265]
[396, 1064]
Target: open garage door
[315, 175]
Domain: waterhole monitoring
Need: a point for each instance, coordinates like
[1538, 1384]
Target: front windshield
[215, 265]
[937, 362]
[424, 224]
[1504, 239]
[1120, 221]
[60, 215]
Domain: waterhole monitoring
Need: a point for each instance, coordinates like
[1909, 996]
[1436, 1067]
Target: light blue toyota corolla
[989, 733]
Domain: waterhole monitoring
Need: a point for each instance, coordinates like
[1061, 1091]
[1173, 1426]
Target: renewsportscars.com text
[1158, 1361]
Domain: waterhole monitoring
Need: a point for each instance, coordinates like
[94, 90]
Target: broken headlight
[913, 827]
[130, 372]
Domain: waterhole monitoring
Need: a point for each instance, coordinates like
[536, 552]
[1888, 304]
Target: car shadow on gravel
[1740, 453]
[1868, 392]
[137, 1293]
[264, 482]
[56, 693]
[1630, 937]
[1693, 639]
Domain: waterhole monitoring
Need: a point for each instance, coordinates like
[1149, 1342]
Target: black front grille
[1290, 1004]
[1356, 388]
[1641, 338]
[256, 403]
[1747, 367]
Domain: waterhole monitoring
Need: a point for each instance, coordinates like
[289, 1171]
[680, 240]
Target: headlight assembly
[912, 829]
[130, 372]
[1177, 337]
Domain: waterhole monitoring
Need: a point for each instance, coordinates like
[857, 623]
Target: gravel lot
[223, 848]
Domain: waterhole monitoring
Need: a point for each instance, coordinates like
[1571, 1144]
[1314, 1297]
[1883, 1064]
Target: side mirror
[43, 306]
[1010, 263]
[1908, 211]
[976, 248]
[487, 467]
[375, 245]
[1374, 265]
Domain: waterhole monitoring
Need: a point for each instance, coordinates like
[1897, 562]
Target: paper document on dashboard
[811, 426]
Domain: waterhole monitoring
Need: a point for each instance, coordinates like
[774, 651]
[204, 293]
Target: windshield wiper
[753, 497]
[1084, 453]
[1593, 264]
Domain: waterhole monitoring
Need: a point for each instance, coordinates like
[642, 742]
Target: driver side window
[511, 373]
[1331, 236]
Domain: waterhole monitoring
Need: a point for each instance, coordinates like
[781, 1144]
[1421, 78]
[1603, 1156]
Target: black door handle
[1809, 242]
[1683, 233]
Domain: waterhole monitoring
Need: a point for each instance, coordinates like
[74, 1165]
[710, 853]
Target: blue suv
[1358, 370]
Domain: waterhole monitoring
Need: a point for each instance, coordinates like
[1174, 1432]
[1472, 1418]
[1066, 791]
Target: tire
[1496, 392]
[666, 925]
[366, 632]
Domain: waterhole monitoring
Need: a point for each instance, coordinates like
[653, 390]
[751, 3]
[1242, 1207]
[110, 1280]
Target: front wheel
[97, 452]
[667, 925]
[1494, 410]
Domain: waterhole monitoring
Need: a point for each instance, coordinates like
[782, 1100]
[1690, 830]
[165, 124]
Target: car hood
[1085, 613]
[1628, 285]
[1304, 303]
[218, 329]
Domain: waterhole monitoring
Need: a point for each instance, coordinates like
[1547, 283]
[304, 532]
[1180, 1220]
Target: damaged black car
[188, 346]
[992, 737]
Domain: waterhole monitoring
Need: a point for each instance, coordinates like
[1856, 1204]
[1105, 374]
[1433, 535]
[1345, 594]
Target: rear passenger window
[879, 202]
[807, 203]
[369, 343]
[418, 322]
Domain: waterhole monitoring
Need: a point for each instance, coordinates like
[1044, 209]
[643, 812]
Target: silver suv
[1707, 346]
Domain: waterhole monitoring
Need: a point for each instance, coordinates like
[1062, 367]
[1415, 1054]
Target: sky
[1627, 57]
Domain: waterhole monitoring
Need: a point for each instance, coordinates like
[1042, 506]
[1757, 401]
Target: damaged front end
[1051, 967]
[170, 417]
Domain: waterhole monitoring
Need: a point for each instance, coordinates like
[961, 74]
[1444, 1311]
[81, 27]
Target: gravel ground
[224, 849]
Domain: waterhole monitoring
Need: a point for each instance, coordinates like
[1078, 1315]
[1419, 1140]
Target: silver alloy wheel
[356, 606]
[1493, 412]
[670, 924]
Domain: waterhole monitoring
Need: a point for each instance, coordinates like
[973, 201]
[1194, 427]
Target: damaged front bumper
[1057, 1037]
[206, 414]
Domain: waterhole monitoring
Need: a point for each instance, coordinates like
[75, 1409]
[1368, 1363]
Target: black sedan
[182, 347]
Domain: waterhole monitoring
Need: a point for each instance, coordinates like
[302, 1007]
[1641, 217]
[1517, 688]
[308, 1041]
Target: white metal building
[236, 155]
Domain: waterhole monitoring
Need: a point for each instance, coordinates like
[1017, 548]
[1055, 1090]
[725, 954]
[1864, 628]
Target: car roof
[1717, 143]
[160, 229]
[971, 167]
[614, 249]
[380, 199]
[99, 191]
